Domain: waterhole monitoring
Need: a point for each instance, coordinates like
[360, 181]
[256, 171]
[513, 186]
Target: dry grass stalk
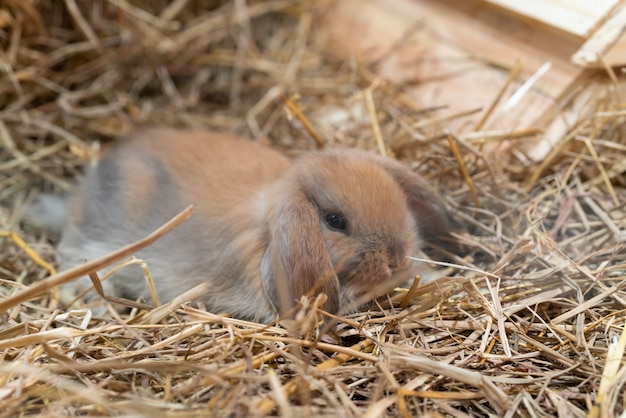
[530, 323]
[513, 74]
[463, 170]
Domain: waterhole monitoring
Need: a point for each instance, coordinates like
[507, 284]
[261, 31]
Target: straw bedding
[530, 322]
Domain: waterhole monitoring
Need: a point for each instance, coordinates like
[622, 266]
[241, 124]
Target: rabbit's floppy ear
[296, 261]
[433, 220]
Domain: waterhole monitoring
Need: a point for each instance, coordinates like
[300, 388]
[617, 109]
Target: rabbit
[265, 230]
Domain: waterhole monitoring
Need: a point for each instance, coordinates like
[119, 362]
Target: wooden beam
[577, 17]
[608, 42]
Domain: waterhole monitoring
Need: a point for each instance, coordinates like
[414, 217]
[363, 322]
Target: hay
[531, 323]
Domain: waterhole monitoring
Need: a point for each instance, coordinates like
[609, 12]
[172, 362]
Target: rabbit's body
[133, 190]
[264, 231]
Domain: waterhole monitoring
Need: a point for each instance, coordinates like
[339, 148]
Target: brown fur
[258, 234]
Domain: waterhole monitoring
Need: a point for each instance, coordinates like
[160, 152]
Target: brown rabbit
[264, 231]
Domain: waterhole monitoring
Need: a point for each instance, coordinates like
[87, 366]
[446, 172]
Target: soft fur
[258, 234]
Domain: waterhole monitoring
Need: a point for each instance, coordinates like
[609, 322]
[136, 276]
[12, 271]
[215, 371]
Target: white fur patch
[49, 211]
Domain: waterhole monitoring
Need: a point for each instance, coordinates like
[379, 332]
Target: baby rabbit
[264, 231]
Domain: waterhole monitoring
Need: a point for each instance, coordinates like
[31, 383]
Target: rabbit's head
[343, 223]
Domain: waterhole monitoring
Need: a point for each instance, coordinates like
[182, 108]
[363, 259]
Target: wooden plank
[577, 17]
[458, 53]
[609, 42]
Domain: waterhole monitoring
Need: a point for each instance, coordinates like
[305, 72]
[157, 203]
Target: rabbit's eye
[336, 221]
